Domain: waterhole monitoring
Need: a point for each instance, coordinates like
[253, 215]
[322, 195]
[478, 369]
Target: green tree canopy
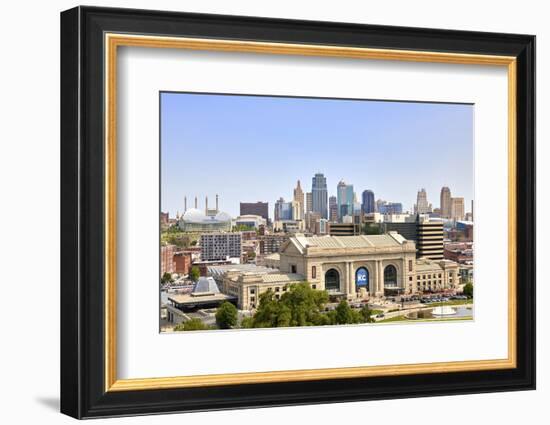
[299, 306]
[372, 229]
[366, 313]
[468, 290]
[345, 315]
[247, 322]
[191, 325]
[226, 315]
[243, 228]
[194, 273]
[166, 278]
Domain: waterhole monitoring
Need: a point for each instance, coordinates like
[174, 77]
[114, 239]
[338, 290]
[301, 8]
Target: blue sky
[251, 148]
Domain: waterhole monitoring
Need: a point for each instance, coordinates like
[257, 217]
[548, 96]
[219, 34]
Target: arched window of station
[361, 279]
[332, 280]
[390, 277]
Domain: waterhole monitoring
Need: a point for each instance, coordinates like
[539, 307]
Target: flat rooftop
[219, 270]
[189, 299]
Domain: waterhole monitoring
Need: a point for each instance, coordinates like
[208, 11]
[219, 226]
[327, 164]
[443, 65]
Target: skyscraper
[297, 210]
[344, 195]
[422, 206]
[333, 209]
[367, 205]
[278, 211]
[299, 198]
[319, 194]
[385, 207]
[445, 202]
[457, 208]
[309, 202]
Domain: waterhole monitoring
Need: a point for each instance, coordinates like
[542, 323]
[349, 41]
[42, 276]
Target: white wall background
[29, 213]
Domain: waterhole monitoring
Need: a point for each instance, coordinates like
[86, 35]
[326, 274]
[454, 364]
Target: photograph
[299, 192]
[285, 211]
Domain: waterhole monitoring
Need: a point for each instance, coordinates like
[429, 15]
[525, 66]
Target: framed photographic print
[261, 212]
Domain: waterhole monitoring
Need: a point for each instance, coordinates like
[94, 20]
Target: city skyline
[259, 140]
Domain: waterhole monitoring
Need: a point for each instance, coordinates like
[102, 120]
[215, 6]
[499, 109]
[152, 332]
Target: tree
[226, 315]
[468, 290]
[194, 273]
[191, 325]
[367, 313]
[247, 322]
[345, 315]
[166, 278]
[372, 229]
[266, 315]
[242, 228]
[299, 306]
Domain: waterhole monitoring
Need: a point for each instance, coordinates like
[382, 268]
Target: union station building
[347, 267]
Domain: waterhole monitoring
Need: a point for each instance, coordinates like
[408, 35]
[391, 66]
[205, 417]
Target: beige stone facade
[377, 254]
[386, 262]
[247, 287]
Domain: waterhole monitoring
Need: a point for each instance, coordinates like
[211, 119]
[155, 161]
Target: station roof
[243, 268]
[282, 277]
[390, 239]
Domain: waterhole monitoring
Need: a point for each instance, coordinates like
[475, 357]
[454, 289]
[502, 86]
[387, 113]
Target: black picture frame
[82, 212]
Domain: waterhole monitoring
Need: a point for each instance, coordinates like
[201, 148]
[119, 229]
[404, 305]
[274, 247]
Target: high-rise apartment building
[457, 208]
[344, 197]
[445, 202]
[367, 202]
[319, 194]
[220, 246]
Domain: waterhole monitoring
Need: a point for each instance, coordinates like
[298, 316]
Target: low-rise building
[182, 262]
[250, 220]
[247, 287]
[205, 294]
[289, 226]
[167, 259]
[434, 276]
[459, 252]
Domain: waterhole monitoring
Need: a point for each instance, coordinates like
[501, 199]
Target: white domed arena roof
[193, 215]
[223, 216]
